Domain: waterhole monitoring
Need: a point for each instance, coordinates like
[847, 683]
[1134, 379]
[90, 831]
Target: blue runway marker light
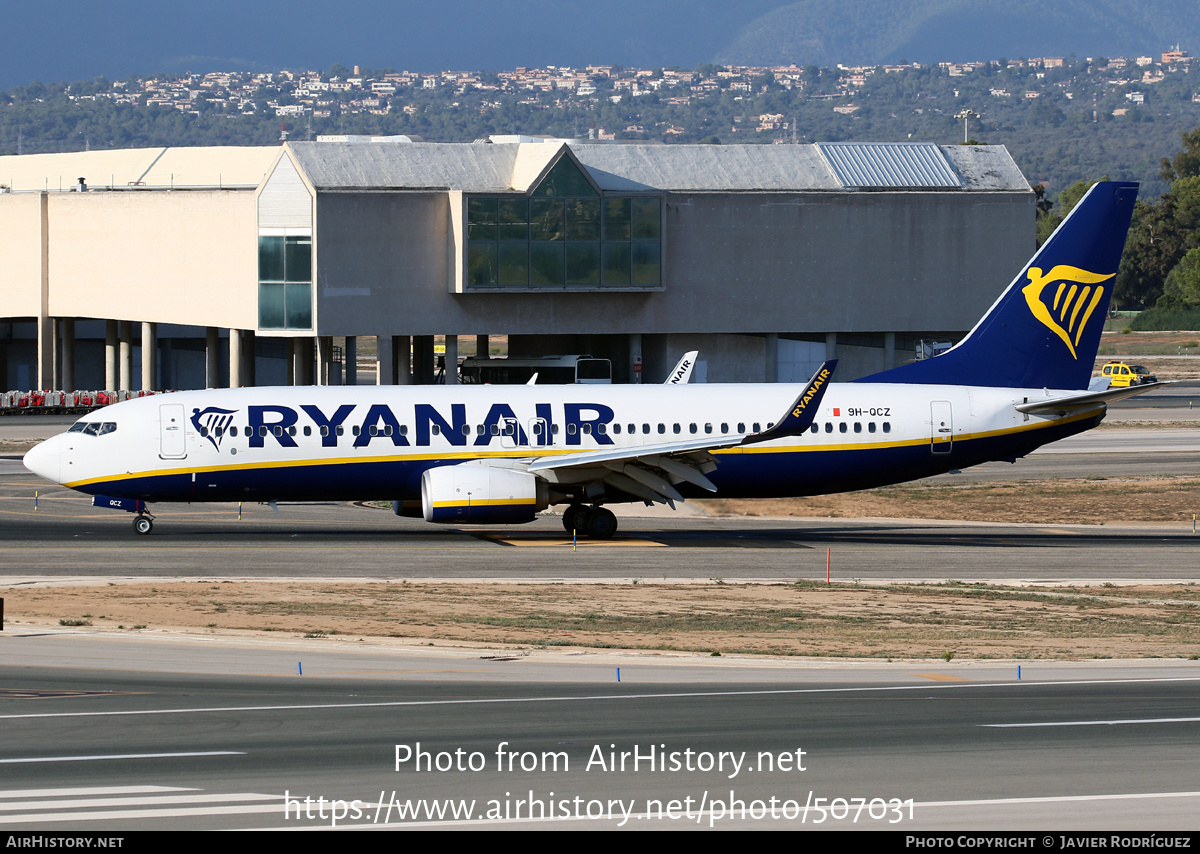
[618, 674]
[1018, 672]
[299, 668]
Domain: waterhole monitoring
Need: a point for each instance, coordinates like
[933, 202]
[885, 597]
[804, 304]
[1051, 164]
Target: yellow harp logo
[1074, 300]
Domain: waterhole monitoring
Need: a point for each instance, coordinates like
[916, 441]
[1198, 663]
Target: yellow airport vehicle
[1124, 375]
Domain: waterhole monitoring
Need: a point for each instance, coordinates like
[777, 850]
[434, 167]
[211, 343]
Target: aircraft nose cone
[43, 460]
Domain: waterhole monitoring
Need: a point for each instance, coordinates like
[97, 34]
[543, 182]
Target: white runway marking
[131, 802]
[1097, 723]
[683, 695]
[121, 756]
[1060, 799]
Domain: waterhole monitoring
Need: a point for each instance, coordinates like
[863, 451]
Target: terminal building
[192, 267]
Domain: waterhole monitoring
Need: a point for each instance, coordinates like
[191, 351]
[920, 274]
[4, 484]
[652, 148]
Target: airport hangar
[240, 266]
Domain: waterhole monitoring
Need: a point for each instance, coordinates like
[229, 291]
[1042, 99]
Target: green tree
[1187, 162]
[1048, 219]
[1182, 287]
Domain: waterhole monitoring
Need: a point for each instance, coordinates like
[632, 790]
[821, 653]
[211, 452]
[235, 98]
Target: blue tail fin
[1044, 330]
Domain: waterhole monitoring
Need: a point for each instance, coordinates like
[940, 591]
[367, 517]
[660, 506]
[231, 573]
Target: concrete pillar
[451, 360]
[125, 375]
[149, 355]
[55, 353]
[249, 377]
[482, 347]
[45, 345]
[635, 357]
[302, 361]
[350, 354]
[424, 365]
[212, 340]
[235, 358]
[384, 363]
[45, 328]
[110, 355]
[402, 360]
[771, 365]
[324, 359]
[68, 353]
[889, 350]
[830, 345]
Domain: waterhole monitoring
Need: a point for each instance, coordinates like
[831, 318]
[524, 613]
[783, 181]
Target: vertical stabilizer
[1044, 331]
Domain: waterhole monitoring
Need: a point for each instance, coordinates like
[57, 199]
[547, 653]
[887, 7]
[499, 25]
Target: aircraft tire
[573, 518]
[143, 525]
[599, 523]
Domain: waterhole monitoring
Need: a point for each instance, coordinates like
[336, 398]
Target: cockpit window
[93, 428]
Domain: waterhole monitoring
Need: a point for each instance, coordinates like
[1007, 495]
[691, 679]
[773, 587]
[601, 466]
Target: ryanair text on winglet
[811, 391]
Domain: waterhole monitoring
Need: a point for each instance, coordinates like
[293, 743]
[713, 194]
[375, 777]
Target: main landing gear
[595, 522]
[143, 523]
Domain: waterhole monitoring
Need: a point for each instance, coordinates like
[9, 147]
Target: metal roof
[469, 167]
[196, 166]
[513, 167]
[890, 165]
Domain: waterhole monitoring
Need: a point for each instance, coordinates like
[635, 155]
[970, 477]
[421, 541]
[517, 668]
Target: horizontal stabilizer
[1061, 406]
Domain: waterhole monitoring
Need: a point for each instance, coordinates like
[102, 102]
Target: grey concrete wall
[746, 263]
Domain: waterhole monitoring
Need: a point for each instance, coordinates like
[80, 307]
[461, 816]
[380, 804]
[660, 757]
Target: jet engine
[481, 494]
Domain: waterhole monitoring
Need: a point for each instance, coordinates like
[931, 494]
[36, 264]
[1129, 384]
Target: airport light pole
[966, 116]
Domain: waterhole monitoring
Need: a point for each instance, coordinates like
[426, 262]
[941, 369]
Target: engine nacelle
[481, 494]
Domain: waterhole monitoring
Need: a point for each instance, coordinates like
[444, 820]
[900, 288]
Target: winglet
[803, 411]
[683, 371]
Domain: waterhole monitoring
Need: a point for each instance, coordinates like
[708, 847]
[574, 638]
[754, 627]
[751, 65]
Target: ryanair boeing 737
[501, 454]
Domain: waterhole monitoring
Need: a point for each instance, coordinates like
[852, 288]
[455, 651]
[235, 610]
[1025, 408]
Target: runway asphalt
[109, 734]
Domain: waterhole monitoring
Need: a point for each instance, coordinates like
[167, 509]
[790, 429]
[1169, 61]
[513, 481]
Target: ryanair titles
[359, 426]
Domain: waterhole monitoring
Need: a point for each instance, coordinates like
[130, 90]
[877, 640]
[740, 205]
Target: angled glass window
[565, 179]
[564, 235]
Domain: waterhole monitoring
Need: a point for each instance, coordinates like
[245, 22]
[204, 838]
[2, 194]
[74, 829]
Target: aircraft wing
[1088, 400]
[649, 471]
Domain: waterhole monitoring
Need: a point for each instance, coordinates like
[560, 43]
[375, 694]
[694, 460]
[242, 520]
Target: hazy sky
[65, 40]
